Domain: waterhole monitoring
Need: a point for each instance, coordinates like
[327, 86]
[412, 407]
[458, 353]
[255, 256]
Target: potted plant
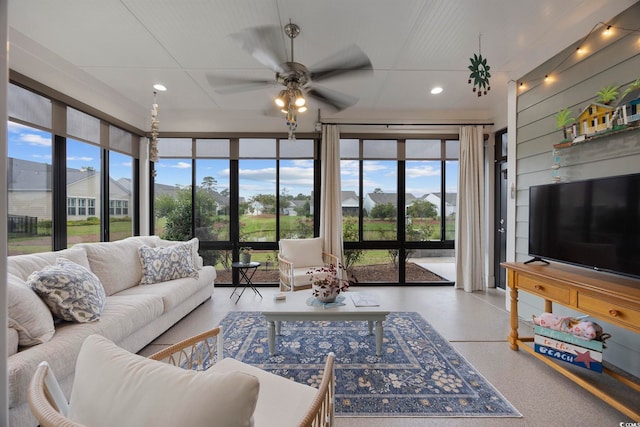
[245, 255]
[327, 282]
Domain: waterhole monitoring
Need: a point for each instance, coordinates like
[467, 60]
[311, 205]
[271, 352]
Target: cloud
[181, 165]
[79, 159]
[423, 170]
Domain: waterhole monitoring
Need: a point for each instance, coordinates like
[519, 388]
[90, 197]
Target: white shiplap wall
[574, 82]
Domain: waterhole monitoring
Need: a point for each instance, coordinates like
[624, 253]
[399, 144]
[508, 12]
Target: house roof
[27, 175]
[392, 198]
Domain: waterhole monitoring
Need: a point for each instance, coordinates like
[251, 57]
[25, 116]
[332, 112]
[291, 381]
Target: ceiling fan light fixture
[283, 99]
[299, 98]
[302, 109]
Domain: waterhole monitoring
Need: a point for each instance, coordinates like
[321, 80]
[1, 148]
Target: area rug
[418, 375]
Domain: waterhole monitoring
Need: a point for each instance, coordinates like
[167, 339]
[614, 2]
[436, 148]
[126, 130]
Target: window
[29, 192]
[120, 189]
[172, 189]
[398, 205]
[83, 182]
[71, 206]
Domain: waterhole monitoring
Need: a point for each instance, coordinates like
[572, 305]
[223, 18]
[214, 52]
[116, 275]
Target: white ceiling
[109, 53]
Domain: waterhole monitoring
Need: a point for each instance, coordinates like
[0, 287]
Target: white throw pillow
[113, 387]
[166, 263]
[302, 252]
[71, 292]
[27, 313]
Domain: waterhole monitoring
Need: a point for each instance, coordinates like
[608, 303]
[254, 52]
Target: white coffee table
[295, 307]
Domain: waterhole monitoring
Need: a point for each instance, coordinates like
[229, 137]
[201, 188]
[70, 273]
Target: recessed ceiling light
[159, 87]
[436, 90]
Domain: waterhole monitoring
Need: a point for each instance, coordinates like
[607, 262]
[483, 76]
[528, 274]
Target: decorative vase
[325, 294]
[245, 258]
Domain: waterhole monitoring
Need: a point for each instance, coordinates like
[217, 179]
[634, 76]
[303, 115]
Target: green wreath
[479, 73]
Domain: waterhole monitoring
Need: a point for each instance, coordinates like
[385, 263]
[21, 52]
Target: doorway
[500, 208]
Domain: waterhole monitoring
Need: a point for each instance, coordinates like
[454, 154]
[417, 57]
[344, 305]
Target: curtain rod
[405, 124]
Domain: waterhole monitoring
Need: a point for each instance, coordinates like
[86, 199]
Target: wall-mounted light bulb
[608, 31]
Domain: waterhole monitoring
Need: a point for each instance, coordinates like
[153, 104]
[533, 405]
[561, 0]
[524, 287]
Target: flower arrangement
[327, 283]
[245, 250]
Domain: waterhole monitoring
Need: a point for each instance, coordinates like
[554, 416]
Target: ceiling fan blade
[337, 100]
[347, 61]
[265, 44]
[229, 84]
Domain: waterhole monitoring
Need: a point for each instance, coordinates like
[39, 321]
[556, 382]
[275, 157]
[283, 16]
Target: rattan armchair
[49, 405]
[195, 352]
[298, 257]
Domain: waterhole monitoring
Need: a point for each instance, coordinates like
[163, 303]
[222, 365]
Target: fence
[22, 224]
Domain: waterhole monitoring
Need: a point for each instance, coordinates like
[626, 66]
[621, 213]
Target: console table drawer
[545, 290]
[609, 311]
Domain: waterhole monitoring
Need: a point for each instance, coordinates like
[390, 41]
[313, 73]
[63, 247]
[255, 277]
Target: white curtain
[330, 192]
[470, 274]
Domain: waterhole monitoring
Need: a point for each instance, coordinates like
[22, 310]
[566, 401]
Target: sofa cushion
[116, 264]
[27, 313]
[175, 292]
[121, 317]
[23, 265]
[274, 391]
[166, 263]
[136, 391]
[12, 341]
[71, 292]
[302, 252]
[194, 245]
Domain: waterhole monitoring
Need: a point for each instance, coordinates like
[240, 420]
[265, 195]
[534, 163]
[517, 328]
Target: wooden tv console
[614, 299]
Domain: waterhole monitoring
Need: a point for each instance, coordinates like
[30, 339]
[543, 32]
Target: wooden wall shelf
[614, 299]
[567, 144]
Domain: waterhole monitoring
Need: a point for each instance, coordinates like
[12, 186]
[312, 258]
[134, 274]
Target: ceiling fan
[265, 45]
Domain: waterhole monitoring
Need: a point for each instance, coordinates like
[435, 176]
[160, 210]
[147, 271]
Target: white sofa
[133, 314]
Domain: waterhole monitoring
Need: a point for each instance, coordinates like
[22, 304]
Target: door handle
[501, 230]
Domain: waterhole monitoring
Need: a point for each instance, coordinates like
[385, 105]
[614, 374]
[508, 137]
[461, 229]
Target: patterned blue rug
[418, 375]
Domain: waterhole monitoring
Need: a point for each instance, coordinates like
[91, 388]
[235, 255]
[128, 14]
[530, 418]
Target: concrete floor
[477, 326]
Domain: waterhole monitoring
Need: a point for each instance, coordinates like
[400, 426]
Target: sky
[256, 176]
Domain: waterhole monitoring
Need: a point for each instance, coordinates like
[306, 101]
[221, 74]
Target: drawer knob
[614, 312]
[538, 287]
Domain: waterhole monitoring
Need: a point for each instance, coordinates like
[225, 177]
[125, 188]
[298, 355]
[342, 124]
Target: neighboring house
[372, 199]
[290, 208]
[255, 208]
[436, 200]
[350, 203]
[29, 192]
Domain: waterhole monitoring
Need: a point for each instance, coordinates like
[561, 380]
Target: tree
[607, 94]
[383, 210]
[632, 86]
[209, 183]
[350, 234]
[377, 190]
[422, 209]
[563, 120]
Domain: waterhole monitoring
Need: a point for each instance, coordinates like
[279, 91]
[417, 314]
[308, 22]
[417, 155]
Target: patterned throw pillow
[71, 292]
[166, 263]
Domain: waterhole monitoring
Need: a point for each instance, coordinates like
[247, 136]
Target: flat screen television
[593, 223]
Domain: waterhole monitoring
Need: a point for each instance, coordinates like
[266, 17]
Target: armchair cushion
[113, 387]
[302, 252]
[278, 395]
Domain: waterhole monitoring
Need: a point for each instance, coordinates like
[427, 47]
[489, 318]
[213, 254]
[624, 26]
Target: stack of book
[568, 348]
